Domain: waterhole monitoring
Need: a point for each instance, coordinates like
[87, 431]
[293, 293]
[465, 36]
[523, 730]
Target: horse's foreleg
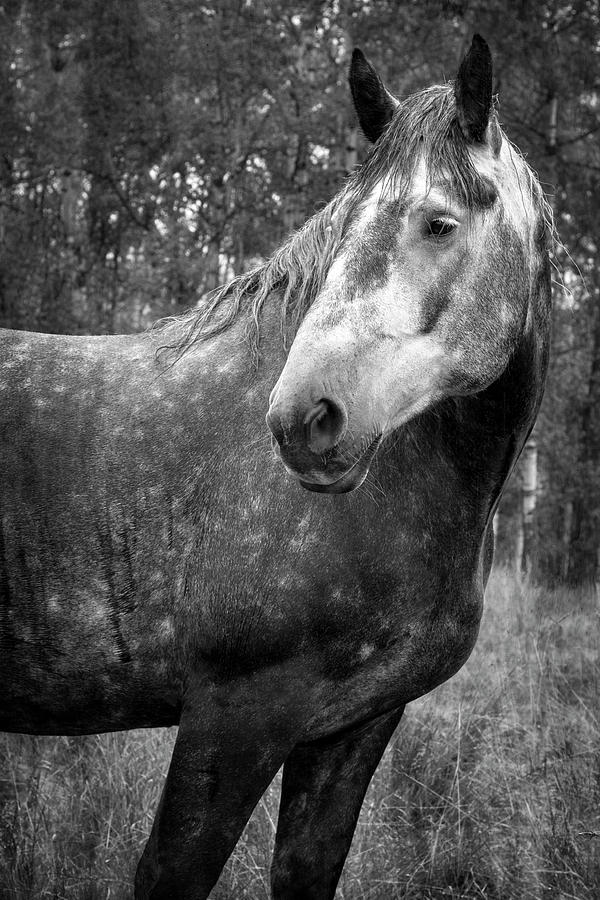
[324, 784]
[225, 756]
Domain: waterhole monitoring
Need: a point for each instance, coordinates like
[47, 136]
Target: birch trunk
[529, 487]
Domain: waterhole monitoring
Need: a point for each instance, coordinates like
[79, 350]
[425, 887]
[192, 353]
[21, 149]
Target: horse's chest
[396, 655]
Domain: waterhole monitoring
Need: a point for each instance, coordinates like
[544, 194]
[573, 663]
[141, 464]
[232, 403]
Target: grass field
[490, 789]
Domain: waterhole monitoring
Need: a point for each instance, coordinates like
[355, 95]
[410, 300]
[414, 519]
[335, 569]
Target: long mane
[296, 271]
[425, 127]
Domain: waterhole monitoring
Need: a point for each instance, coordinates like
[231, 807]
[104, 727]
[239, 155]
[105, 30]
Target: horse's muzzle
[352, 479]
[310, 436]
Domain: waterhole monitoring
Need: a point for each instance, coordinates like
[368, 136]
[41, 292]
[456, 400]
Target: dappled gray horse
[160, 565]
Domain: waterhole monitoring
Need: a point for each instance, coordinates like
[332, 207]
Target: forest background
[149, 149]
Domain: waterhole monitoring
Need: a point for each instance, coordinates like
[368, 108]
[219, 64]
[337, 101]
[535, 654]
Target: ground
[490, 788]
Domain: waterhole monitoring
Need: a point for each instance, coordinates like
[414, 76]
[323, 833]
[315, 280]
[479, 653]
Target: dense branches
[148, 150]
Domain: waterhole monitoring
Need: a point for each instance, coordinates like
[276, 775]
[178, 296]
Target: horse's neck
[463, 450]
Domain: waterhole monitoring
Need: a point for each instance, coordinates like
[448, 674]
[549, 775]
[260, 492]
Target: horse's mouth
[351, 479]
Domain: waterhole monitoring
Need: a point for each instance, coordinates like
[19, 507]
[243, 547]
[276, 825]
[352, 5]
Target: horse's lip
[351, 479]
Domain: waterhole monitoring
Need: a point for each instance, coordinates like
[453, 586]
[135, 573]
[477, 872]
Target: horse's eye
[441, 227]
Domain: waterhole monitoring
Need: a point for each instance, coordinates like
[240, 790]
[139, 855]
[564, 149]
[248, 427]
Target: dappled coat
[160, 565]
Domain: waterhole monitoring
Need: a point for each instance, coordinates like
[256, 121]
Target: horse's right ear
[473, 91]
[373, 103]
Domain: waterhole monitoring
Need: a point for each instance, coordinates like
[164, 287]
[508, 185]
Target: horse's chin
[351, 479]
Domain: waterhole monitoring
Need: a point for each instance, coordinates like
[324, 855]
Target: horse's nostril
[324, 425]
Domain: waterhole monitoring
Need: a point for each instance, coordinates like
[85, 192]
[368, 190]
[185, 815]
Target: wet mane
[297, 270]
[425, 126]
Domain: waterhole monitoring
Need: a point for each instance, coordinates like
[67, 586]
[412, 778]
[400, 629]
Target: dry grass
[491, 788]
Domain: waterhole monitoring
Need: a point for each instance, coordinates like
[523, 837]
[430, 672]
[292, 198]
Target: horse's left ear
[373, 102]
[473, 92]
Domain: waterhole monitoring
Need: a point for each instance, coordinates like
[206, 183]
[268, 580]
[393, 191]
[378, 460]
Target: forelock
[425, 128]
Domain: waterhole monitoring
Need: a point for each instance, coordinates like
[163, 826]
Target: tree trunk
[583, 562]
[566, 539]
[529, 484]
[294, 210]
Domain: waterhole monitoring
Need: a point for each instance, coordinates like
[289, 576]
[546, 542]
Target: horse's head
[439, 238]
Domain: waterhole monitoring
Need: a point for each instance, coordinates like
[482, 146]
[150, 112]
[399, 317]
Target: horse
[281, 591]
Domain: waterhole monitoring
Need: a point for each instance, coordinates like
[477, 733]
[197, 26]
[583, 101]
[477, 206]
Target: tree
[150, 150]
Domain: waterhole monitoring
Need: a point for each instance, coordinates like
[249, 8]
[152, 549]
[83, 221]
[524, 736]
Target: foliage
[150, 149]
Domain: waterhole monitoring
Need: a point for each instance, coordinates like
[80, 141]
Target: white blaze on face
[398, 301]
[337, 271]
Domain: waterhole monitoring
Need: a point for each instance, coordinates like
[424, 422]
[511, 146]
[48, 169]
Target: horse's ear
[473, 91]
[374, 104]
